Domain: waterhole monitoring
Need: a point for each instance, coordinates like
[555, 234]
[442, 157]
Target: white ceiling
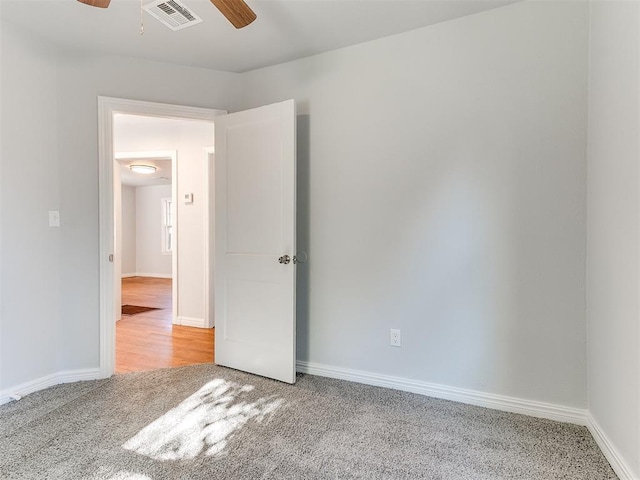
[138, 123]
[285, 29]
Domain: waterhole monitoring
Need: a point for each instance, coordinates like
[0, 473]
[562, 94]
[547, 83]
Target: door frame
[209, 235]
[107, 108]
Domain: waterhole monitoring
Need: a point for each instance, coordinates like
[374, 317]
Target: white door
[255, 213]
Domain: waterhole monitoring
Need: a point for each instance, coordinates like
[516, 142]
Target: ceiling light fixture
[146, 169]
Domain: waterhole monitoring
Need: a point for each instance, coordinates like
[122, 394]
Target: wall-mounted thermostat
[188, 198]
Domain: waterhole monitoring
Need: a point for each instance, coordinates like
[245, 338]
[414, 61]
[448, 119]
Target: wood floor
[147, 341]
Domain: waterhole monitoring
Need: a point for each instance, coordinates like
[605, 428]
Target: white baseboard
[47, 381]
[191, 322]
[152, 275]
[612, 455]
[498, 402]
[129, 275]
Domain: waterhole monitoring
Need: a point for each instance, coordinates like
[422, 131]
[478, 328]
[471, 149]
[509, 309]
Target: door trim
[209, 317]
[107, 108]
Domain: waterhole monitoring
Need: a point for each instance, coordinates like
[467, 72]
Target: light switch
[54, 218]
[188, 198]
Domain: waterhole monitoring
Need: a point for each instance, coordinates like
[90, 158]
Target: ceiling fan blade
[236, 11]
[96, 3]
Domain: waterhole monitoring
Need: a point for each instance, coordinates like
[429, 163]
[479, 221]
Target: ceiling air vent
[172, 13]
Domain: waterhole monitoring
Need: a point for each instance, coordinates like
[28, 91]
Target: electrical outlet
[395, 340]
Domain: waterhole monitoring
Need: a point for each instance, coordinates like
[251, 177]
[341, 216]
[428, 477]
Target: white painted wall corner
[619, 465]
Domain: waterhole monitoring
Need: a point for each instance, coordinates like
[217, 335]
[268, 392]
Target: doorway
[192, 204]
[144, 195]
[149, 332]
[147, 339]
[255, 233]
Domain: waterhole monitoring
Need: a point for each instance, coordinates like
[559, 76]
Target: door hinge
[301, 257]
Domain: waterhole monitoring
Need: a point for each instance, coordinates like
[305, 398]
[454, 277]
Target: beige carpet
[207, 422]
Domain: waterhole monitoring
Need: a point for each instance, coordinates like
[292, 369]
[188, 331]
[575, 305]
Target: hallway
[148, 340]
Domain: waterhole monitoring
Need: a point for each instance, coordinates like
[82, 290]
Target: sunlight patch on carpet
[204, 422]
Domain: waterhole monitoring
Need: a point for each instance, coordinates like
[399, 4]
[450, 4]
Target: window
[167, 226]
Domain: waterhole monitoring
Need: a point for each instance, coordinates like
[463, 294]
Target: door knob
[285, 259]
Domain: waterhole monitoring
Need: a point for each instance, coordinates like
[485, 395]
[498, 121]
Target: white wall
[613, 227]
[150, 261]
[442, 189]
[128, 205]
[30, 318]
[189, 138]
[51, 99]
